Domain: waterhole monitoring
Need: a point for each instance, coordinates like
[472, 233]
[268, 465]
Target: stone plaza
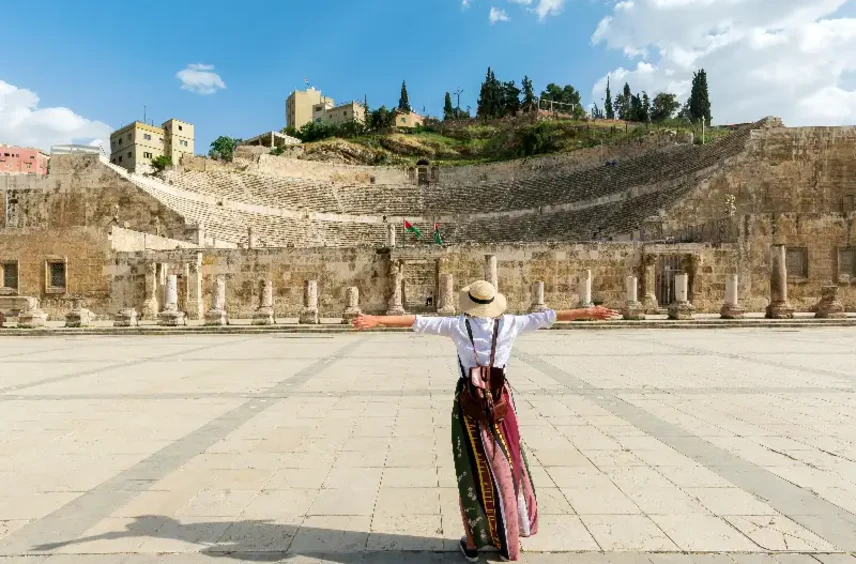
[647, 446]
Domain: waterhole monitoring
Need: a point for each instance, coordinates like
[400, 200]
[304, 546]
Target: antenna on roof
[144, 114]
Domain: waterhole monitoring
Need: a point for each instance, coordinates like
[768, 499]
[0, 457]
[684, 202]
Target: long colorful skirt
[495, 487]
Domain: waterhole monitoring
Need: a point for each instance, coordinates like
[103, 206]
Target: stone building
[666, 207]
[300, 104]
[134, 146]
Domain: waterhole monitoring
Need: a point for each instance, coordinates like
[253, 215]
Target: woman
[495, 490]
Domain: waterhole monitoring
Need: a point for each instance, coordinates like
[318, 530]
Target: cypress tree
[645, 116]
[448, 109]
[528, 95]
[610, 112]
[484, 95]
[404, 102]
[699, 102]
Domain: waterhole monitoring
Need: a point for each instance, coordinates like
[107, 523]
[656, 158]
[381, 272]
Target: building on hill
[408, 120]
[22, 160]
[134, 146]
[300, 106]
[337, 115]
[272, 140]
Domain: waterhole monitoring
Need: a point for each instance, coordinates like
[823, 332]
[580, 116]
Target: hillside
[474, 141]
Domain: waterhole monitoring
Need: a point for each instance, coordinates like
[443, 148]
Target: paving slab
[647, 446]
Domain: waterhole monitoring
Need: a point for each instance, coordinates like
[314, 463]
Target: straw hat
[480, 299]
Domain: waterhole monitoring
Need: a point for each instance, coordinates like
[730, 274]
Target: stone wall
[90, 272]
[128, 240]
[558, 265]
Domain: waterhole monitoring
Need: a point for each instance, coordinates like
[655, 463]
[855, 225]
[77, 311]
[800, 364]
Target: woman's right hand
[600, 313]
[365, 322]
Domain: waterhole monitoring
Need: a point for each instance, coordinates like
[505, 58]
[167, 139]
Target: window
[147, 155]
[129, 136]
[847, 261]
[796, 262]
[28, 164]
[183, 143]
[56, 276]
[10, 275]
[32, 156]
[147, 137]
[180, 128]
[120, 141]
[120, 158]
[130, 154]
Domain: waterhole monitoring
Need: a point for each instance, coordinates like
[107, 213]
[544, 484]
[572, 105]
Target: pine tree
[646, 108]
[623, 104]
[484, 95]
[448, 109]
[635, 108]
[528, 95]
[510, 105]
[699, 102]
[607, 104]
[404, 102]
[490, 97]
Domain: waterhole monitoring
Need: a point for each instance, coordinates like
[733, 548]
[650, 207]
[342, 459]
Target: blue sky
[100, 62]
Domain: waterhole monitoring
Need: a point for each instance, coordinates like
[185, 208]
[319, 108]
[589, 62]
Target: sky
[89, 67]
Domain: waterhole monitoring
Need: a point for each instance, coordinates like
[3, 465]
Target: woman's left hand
[365, 322]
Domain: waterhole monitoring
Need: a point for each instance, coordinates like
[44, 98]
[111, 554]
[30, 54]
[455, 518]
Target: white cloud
[786, 58]
[549, 8]
[498, 15]
[200, 79]
[23, 122]
[465, 4]
[523, 2]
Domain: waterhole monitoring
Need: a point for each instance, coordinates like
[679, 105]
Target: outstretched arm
[597, 313]
[371, 321]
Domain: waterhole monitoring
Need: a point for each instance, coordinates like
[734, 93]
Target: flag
[306, 80]
[437, 238]
[410, 227]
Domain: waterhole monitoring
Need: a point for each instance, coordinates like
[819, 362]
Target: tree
[404, 102]
[448, 109]
[528, 103]
[646, 108]
[699, 102]
[664, 106]
[160, 162]
[382, 118]
[490, 97]
[510, 101]
[623, 103]
[223, 148]
[566, 99]
[607, 104]
[635, 108]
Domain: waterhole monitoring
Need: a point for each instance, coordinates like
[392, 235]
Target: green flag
[437, 238]
[410, 227]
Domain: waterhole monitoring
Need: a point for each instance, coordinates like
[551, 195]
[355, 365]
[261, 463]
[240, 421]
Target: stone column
[251, 238]
[217, 314]
[537, 298]
[309, 313]
[731, 308]
[150, 305]
[170, 316]
[31, 315]
[779, 307]
[194, 289]
[390, 235]
[446, 297]
[829, 307]
[264, 314]
[649, 280]
[490, 271]
[584, 289]
[682, 308]
[352, 310]
[633, 309]
[396, 276]
[79, 316]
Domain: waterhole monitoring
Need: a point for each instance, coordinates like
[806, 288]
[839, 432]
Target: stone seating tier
[671, 166]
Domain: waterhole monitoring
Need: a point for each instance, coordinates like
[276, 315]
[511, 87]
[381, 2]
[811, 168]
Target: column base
[779, 310]
[350, 314]
[263, 316]
[681, 311]
[732, 311]
[78, 318]
[829, 307]
[538, 308]
[396, 310]
[215, 317]
[32, 318]
[171, 318]
[126, 318]
[309, 316]
[633, 311]
[194, 311]
[649, 303]
[149, 309]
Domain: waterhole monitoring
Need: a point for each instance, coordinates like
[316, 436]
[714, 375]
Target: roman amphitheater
[279, 234]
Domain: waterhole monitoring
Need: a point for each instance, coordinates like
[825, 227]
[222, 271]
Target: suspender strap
[492, 344]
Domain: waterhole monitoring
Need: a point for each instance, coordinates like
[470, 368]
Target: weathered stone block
[126, 317]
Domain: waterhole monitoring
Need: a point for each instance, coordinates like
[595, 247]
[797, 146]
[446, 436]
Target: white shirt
[510, 326]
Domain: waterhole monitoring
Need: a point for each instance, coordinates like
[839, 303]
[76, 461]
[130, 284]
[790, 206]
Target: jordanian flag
[437, 238]
[412, 229]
